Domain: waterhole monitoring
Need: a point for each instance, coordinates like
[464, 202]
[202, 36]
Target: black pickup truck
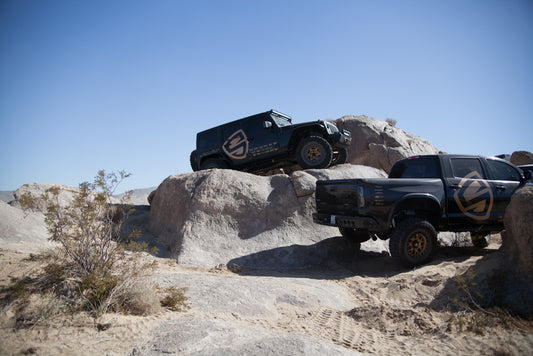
[423, 195]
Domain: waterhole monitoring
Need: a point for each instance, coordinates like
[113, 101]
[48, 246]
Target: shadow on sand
[334, 258]
[331, 258]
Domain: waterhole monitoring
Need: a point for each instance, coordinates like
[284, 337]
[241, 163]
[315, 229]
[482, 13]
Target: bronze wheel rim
[313, 153]
[417, 245]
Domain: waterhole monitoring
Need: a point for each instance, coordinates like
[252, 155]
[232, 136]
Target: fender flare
[424, 201]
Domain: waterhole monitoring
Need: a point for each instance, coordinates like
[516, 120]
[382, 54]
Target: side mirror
[527, 176]
[267, 124]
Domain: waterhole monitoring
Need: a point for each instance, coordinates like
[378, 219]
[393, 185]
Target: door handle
[456, 186]
[501, 187]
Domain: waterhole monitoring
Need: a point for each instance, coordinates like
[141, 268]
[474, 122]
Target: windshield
[280, 120]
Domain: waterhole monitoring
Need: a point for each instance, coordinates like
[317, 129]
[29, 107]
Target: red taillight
[414, 157]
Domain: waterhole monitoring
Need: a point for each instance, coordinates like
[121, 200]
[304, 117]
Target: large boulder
[214, 216]
[65, 195]
[505, 279]
[37, 190]
[378, 144]
[22, 231]
[517, 246]
[25, 230]
[520, 158]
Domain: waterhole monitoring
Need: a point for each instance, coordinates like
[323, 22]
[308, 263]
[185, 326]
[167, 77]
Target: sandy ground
[357, 303]
[370, 306]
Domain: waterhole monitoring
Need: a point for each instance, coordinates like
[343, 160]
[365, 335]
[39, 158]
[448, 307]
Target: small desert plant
[175, 299]
[89, 227]
[478, 310]
[92, 272]
[391, 122]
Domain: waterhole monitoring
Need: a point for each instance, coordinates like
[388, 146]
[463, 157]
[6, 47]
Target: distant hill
[138, 196]
[6, 196]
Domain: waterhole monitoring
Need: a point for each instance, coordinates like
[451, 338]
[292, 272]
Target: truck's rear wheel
[413, 242]
[314, 152]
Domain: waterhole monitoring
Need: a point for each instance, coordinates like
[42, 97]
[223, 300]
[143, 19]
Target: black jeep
[269, 140]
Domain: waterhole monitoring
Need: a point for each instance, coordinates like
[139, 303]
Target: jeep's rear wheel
[340, 156]
[214, 163]
[314, 152]
[194, 166]
[413, 242]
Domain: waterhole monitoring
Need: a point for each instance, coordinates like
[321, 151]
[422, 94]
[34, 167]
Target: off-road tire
[214, 163]
[314, 152]
[413, 242]
[340, 156]
[194, 166]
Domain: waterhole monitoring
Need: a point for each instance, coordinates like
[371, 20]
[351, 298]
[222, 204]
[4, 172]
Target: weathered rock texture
[210, 217]
[36, 190]
[25, 232]
[505, 279]
[378, 144]
[517, 246]
[519, 158]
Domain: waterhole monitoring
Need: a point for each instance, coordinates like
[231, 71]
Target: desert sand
[367, 304]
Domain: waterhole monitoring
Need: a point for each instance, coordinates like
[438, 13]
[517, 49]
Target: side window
[207, 139]
[502, 171]
[467, 168]
[253, 126]
[416, 168]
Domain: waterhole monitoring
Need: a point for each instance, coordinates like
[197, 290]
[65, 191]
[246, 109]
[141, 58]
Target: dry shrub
[92, 271]
[138, 299]
[134, 294]
[479, 305]
[175, 299]
[391, 122]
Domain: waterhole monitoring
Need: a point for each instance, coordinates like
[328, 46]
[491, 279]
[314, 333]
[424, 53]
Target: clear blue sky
[126, 85]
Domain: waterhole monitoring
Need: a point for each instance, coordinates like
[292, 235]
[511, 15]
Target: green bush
[92, 271]
[175, 299]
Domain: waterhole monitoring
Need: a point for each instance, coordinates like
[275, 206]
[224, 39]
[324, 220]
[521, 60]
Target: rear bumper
[359, 222]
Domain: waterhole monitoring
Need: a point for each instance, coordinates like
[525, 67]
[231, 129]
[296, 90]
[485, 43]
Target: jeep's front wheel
[314, 152]
[214, 163]
[340, 156]
[413, 242]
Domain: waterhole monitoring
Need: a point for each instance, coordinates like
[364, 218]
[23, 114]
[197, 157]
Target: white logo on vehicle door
[236, 146]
